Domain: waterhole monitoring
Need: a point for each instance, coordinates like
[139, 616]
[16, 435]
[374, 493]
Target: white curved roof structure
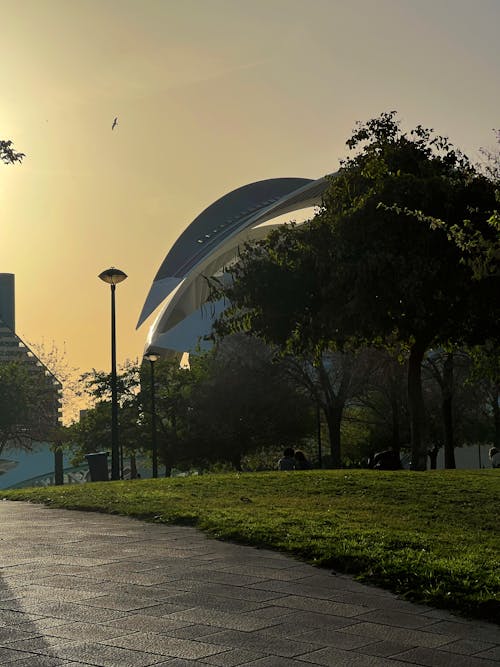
[208, 244]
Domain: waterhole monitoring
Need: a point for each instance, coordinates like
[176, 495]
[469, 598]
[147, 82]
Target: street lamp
[152, 357]
[114, 276]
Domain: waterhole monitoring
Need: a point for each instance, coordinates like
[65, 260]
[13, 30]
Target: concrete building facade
[14, 350]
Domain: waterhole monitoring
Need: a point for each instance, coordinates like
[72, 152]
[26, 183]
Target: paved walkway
[80, 588]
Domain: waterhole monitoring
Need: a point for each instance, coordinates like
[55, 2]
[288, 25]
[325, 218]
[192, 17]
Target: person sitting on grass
[287, 462]
[494, 455]
[301, 463]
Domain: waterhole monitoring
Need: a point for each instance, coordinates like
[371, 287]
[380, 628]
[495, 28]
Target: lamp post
[152, 357]
[114, 276]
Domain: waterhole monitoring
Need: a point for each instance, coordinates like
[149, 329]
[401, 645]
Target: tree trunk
[433, 454]
[396, 439]
[416, 407]
[318, 425]
[133, 467]
[58, 467]
[334, 419]
[496, 417]
[447, 412]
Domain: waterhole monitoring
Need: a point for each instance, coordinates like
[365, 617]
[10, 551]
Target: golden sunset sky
[210, 95]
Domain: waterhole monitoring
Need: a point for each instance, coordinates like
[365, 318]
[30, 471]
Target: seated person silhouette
[287, 461]
[301, 463]
[386, 460]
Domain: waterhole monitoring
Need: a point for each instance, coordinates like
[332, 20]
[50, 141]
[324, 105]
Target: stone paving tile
[194, 631]
[469, 647]
[45, 593]
[86, 631]
[217, 602]
[424, 656]
[331, 656]
[470, 630]
[210, 576]
[443, 615]
[148, 578]
[15, 617]
[275, 661]
[265, 573]
[121, 602]
[9, 656]
[260, 641]
[44, 645]
[73, 583]
[94, 653]
[72, 611]
[43, 624]
[318, 577]
[79, 561]
[271, 612]
[402, 635]
[222, 619]
[335, 638]
[384, 649]
[305, 622]
[7, 595]
[397, 618]
[179, 662]
[167, 646]
[375, 601]
[165, 609]
[325, 586]
[492, 653]
[144, 623]
[228, 590]
[10, 634]
[38, 661]
[323, 606]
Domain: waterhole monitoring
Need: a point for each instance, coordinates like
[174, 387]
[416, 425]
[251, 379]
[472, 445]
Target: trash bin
[98, 466]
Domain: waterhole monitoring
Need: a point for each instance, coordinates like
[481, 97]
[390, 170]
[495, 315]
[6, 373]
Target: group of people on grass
[387, 460]
[294, 460]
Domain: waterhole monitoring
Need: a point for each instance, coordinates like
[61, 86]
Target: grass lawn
[433, 537]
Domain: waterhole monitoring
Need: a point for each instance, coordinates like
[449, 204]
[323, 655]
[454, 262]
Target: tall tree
[334, 381]
[94, 428]
[173, 388]
[379, 263]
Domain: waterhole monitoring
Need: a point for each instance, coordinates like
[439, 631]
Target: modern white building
[208, 244]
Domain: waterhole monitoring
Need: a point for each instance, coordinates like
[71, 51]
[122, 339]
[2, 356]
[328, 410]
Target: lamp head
[152, 357]
[112, 276]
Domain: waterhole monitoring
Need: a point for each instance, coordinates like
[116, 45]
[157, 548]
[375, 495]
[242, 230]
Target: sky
[210, 95]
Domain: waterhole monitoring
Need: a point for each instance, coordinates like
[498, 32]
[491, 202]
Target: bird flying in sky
[115, 123]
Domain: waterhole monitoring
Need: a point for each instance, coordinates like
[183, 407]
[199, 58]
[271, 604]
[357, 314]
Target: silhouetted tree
[7, 153]
[383, 261]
